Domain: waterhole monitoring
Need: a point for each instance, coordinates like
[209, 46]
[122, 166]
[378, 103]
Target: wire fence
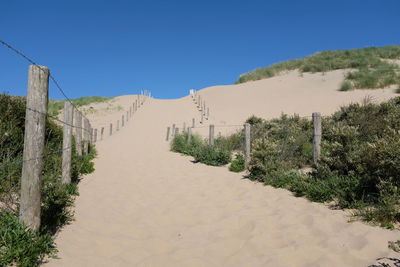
[26, 152]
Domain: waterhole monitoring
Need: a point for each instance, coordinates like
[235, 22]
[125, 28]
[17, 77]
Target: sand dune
[146, 206]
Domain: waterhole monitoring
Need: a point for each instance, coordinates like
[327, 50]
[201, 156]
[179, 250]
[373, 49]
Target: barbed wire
[3, 166]
[18, 52]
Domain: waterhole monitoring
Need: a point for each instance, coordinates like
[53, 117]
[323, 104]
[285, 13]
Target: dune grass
[55, 106]
[372, 71]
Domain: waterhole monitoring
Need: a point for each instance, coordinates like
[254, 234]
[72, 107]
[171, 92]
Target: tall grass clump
[372, 71]
[360, 161]
[215, 155]
[18, 245]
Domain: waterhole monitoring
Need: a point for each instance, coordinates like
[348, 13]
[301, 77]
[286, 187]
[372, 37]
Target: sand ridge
[147, 206]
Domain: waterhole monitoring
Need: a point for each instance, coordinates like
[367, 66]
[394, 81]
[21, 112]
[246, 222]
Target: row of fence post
[317, 134]
[34, 141]
[201, 105]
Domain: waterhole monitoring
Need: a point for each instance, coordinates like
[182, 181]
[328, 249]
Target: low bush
[238, 164]
[360, 161]
[20, 246]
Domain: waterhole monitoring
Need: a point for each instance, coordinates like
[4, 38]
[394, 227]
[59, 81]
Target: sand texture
[147, 206]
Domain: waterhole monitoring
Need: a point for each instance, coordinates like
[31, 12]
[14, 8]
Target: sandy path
[146, 206]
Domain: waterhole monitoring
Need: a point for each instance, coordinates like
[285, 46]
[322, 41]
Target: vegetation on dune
[372, 69]
[359, 166]
[55, 106]
[18, 245]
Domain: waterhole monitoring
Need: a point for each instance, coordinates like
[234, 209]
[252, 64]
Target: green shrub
[55, 106]
[20, 245]
[359, 165]
[212, 155]
[56, 197]
[346, 86]
[238, 164]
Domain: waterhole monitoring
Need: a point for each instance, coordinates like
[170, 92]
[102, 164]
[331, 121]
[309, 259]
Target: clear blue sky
[119, 47]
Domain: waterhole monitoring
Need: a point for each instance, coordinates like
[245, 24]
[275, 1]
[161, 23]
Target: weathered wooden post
[67, 143]
[101, 133]
[86, 136]
[110, 129]
[130, 111]
[123, 121]
[78, 133]
[91, 134]
[168, 129]
[204, 108]
[34, 138]
[127, 116]
[95, 136]
[173, 130]
[211, 135]
[316, 117]
[193, 123]
[247, 143]
[189, 135]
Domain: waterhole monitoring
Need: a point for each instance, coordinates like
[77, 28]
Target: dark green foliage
[216, 155]
[238, 164]
[21, 245]
[212, 155]
[372, 70]
[360, 161]
[346, 86]
[55, 106]
[56, 198]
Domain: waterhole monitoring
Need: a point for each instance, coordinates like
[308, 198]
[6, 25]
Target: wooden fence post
[247, 145]
[67, 143]
[86, 136]
[78, 129]
[316, 117]
[95, 136]
[117, 125]
[208, 113]
[173, 130]
[34, 138]
[211, 135]
[101, 133]
[184, 127]
[123, 121]
[168, 129]
[193, 123]
[189, 135]
[110, 129]
[127, 116]
[176, 131]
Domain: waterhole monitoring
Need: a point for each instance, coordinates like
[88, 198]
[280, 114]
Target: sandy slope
[146, 206]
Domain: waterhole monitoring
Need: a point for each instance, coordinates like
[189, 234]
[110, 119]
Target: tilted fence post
[247, 143]
[173, 130]
[34, 138]
[67, 143]
[101, 133]
[78, 132]
[316, 117]
[168, 129]
[211, 135]
[110, 129]
[86, 136]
